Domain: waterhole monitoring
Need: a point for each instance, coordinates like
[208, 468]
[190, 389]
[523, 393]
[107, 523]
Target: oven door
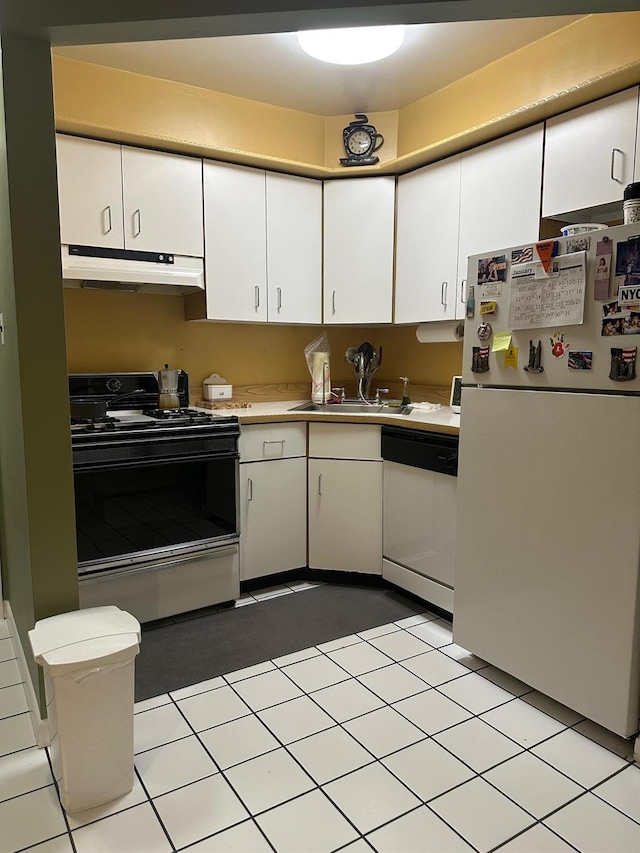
[157, 537]
[140, 512]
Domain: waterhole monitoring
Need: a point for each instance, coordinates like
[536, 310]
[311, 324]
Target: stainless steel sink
[349, 407]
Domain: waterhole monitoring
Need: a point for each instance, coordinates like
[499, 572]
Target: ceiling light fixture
[352, 46]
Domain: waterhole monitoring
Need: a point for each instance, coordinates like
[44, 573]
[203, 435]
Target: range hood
[93, 267]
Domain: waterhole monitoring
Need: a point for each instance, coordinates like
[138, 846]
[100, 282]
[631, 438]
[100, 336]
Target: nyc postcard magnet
[580, 360]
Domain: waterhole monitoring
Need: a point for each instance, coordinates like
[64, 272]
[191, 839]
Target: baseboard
[40, 726]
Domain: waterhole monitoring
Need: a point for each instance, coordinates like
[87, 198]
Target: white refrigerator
[548, 545]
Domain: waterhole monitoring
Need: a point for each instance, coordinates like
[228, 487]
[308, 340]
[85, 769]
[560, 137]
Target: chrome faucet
[379, 391]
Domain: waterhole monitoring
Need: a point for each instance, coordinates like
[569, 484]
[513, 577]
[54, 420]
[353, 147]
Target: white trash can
[88, 657]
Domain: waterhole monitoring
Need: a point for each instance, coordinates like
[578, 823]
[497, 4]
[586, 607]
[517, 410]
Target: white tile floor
[394, 740]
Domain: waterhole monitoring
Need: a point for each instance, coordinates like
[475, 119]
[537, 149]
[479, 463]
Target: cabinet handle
[463, 290]
[137, 223]
[333, 302]
[257, 296]
[107, 226]
[320, 484]
[613, 163]
[250, 492]
[279, 292]
[443, 293]
[275, 441]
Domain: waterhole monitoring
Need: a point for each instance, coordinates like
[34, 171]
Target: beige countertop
[442, 420]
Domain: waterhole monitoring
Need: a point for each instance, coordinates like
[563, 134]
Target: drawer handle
[275, 441]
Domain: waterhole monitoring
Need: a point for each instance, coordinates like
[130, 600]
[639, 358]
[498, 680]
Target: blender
[168, 385]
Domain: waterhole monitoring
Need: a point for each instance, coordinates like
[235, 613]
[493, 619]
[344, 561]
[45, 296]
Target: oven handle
[223, 551]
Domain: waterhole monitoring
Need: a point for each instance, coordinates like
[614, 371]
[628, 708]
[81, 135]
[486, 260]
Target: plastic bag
[317, 355]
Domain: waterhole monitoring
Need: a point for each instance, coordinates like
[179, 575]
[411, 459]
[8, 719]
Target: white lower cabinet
[273, 517]
[273, 498]
[345, 498]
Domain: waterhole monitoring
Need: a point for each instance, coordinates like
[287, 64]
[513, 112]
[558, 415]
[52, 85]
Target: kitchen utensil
[90, 408]
[168, 385]
[350, 354]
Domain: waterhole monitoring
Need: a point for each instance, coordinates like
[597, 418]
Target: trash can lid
[82, 636]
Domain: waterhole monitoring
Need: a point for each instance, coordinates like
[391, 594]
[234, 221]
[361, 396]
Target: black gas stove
[135, 429]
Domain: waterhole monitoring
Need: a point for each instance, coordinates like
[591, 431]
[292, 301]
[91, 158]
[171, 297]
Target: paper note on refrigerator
[539, 299]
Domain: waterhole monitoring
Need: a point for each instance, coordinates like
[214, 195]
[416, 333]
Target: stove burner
[185, 415]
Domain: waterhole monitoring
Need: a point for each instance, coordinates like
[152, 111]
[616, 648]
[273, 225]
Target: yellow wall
[114, 331]
[135, 331]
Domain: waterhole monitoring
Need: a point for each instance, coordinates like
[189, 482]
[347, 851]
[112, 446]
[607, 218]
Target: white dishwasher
[419, 512]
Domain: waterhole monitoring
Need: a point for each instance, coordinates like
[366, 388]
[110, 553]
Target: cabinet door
[90, 192]
[358, 250]
[499, 198]
[162, 202]
[345, 515]
[589, 154]
[294, 249]
[427, 243]
[235, 242]
[273, 520]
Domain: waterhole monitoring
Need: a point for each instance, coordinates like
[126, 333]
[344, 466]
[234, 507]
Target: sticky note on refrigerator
[501, 341]
[511, 358]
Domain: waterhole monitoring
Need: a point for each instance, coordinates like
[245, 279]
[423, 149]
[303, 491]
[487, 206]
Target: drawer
[272, 441]
[344, 441]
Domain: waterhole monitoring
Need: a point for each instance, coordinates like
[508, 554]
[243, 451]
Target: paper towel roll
[320, 376]
[440, 331]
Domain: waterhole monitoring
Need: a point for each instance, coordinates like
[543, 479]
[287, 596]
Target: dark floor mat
[183, 653]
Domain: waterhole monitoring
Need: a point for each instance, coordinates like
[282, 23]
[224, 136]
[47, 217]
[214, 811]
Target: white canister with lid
[215, 387]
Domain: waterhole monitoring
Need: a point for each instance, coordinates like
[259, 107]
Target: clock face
[359, 142]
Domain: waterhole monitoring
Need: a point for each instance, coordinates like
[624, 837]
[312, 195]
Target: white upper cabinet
[358, 250]
[118, 197]
[162, 202]
[590, 154]
[263, 239]
[499, 198]
[294, 249]
[90, 192]
[427, 243]
[235, 242]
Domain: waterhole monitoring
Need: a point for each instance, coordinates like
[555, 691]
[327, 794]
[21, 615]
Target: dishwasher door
[419, 512]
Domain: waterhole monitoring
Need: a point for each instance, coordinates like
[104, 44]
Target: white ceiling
[274, 69]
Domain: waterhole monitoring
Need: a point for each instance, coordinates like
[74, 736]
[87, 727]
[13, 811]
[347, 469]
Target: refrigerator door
[549, 545]
[585, 337]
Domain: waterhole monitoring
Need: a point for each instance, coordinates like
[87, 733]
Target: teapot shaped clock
[361, 140]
